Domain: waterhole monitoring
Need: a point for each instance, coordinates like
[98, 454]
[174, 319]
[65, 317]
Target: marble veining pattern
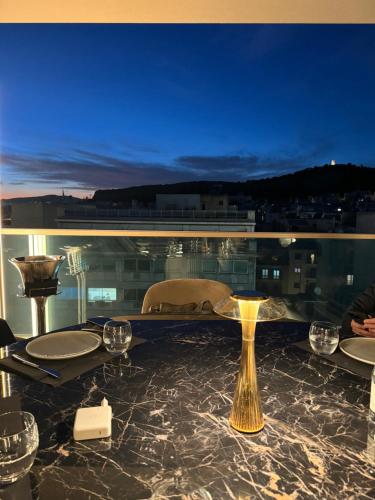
[171, 400]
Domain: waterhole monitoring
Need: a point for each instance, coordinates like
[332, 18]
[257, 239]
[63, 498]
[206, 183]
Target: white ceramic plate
[359, 348]
[63, 345]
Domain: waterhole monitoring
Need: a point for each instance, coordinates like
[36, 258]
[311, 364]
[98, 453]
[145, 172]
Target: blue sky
[104, 106]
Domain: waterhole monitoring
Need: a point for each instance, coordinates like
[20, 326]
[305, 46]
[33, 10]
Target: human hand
[370, 325]
[364, 330]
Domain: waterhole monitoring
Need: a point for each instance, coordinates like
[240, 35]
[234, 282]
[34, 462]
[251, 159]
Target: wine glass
[324, 337]
[117, 336]
[19, 441]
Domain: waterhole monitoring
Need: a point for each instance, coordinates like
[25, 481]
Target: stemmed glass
[324, 337]
[117, 336]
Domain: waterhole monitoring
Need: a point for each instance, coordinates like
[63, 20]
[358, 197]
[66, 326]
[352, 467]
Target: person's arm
[357, 316]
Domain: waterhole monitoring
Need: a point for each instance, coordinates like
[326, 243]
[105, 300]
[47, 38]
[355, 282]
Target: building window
[297, 270]
[134, 294]
[159, 265]
[240, 266]
[144, 266]
[209, 266]
[297, 256]
[349, 279]
[225, 266]
[109, 267]
[312, 258]
[130, 265]
[264, 273]
[221, 203]
[101, 294]
[276, 274]
[141, 292]
[312, 273]
[130, 294]
[297, 285]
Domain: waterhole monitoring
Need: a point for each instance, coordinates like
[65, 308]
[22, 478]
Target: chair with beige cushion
[187, 296]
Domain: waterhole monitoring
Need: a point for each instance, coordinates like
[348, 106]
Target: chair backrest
[6, 334]
[184, 291]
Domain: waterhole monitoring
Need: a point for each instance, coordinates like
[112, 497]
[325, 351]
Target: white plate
[63, 345]
[359, 348]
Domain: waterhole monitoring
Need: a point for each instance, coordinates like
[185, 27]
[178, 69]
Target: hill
[310, 181]
[48, 198]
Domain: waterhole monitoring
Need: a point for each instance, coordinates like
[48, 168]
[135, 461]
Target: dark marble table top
[170, 402]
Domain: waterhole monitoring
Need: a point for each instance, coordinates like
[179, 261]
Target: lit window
[264, 273]
[101, 294]
[276, 274]
[312, 258]
[349, 279]
[297, 269]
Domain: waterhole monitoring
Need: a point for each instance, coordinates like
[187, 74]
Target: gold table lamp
[248, 307]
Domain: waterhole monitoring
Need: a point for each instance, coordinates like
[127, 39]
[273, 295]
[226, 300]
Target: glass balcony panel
[109, 275]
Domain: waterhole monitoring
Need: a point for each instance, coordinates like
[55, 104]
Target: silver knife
[49, 371]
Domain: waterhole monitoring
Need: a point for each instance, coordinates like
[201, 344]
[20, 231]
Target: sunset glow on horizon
[6, 194]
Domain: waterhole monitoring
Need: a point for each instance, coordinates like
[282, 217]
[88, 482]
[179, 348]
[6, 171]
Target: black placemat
[69, 368]
[10, 403]
[341, 360]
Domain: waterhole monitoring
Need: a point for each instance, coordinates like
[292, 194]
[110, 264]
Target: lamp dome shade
[250, 305]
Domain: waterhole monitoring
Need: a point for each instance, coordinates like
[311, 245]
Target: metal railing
[119, 213]
[184, 234]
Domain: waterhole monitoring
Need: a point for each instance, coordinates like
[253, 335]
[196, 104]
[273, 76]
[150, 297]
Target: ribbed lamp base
[246, 414]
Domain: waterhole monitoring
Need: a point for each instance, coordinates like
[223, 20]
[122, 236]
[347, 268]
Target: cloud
[237, 168]
[249, 166]
[218, 165]
[87, 170]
